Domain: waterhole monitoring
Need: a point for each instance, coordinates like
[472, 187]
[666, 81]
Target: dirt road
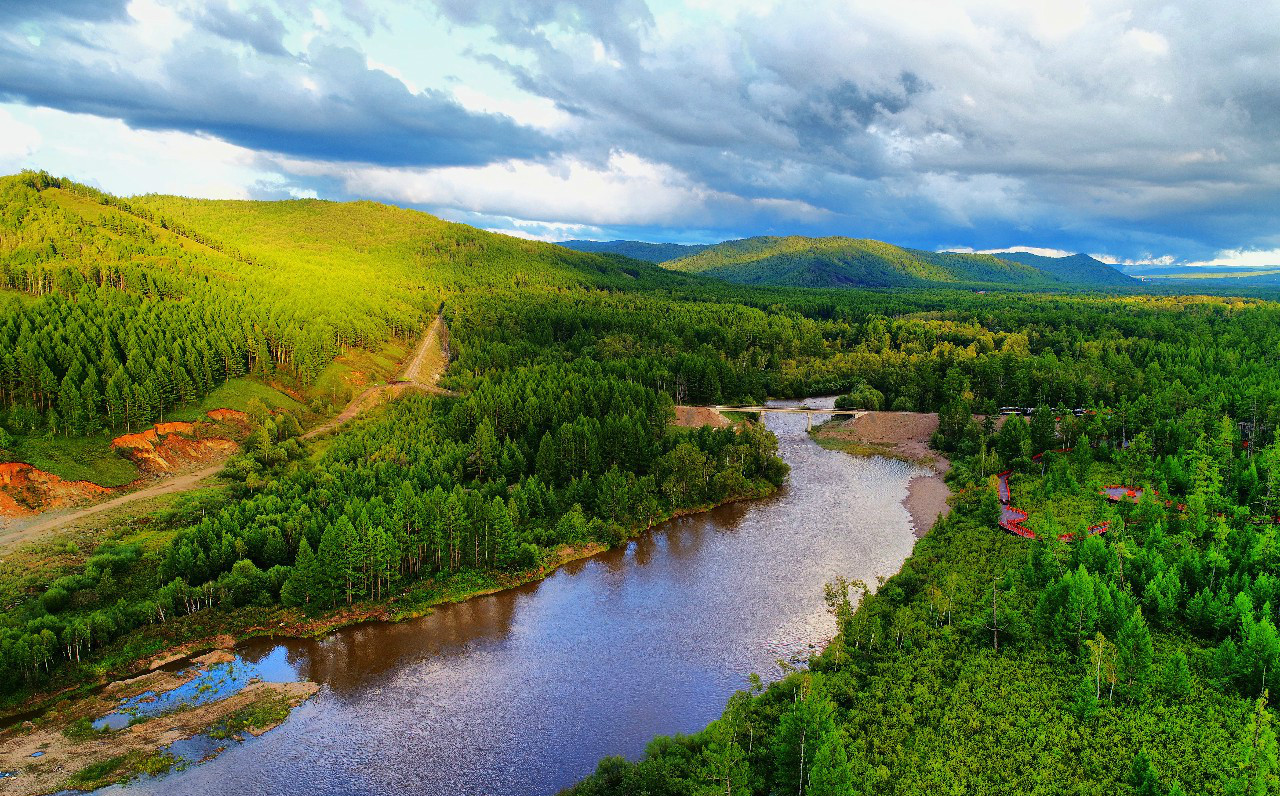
[423, 371]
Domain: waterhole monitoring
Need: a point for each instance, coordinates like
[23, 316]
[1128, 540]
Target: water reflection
[523, 692]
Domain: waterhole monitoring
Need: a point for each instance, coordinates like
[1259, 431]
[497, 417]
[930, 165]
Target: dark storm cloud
[1136, 128]
[327, 105]
[1130, 126]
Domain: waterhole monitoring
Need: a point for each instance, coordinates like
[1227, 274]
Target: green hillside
[1141, 661]
[849, 262]
[114, 312]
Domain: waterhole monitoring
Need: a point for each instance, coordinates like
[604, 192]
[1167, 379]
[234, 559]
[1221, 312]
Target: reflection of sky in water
[522, 692]
[219, 681]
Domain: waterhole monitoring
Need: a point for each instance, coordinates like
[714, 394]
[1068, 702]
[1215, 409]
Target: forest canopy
[1139, 661]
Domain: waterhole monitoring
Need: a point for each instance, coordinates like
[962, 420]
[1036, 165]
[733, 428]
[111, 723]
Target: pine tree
[545, 462]
[1134, 651]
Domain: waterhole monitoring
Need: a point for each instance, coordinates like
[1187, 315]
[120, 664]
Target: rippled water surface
[522, 692]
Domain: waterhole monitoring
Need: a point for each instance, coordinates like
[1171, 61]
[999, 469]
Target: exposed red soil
[26, 490]
[169, 447]
[698, 416]
[175, 428]
[232, 415]
[163, 449]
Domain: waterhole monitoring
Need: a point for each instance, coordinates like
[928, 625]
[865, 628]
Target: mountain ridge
[838, 261]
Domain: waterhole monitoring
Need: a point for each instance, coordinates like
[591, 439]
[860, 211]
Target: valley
[503, 461]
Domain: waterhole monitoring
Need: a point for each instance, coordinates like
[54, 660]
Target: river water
[521, 693]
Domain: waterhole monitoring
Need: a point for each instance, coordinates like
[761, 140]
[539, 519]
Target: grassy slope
[847, 262]
[237, 394]
[388, 252]
[336, 260]
[76, 458]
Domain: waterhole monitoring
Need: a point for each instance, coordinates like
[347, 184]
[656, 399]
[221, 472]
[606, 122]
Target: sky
[1135, 131]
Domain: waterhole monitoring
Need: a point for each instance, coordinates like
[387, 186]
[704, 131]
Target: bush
[529, 556]
[864, 396]
[55, 599]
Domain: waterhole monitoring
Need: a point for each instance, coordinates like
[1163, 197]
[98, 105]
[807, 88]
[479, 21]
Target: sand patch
[927, 502]
[902, 435]
[899, 435]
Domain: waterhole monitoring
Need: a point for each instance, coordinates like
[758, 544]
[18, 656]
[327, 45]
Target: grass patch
[76, 458]
[236, 394]
[21, 297]
[121, 768]
[96, 775]
[261, 714]
[82, 729]
[358, 368]
[854, 447]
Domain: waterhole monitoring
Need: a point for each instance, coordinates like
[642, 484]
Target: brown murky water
[521, 693]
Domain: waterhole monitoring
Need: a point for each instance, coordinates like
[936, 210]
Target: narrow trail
[1012, 518]
[423, 372]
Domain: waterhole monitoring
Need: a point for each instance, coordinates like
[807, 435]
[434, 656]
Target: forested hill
[1077, 268]
[113, 311]
[635, 249]
[849, 262]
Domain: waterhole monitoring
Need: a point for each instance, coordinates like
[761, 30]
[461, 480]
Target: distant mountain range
[636, 250]
[1075, 268]
[849, 262]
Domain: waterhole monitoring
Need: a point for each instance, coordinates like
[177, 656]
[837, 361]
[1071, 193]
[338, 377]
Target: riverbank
[537, 684]
[898, 435]
[135, 726]
[414, 601]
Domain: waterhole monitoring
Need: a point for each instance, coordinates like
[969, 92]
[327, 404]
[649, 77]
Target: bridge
[794, 410]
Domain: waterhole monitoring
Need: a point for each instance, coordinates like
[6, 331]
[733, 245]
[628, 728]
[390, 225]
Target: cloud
[1122, 124]
[257, 27]
[1043, 252]
[96, 10]
[18, 142]
[139, 161]
[624, 191]
[1253, 258]
[616, 25]
[1138, 128]
[327, 105]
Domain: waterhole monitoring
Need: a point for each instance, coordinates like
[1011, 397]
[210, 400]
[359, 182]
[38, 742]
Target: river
[521, 693]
